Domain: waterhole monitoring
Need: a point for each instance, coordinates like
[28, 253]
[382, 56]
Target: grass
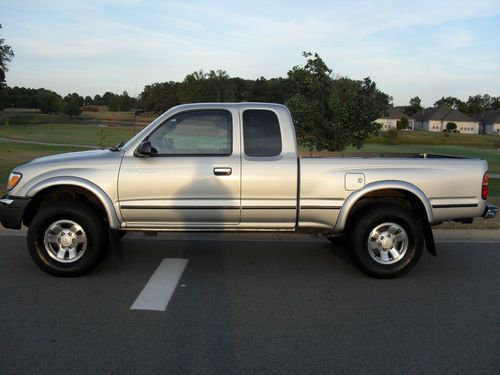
[429, 138]
[494, 188]
[20, 153]
[69, 133]
[118, 116]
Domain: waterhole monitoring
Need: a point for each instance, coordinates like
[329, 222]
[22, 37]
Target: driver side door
[192, 177]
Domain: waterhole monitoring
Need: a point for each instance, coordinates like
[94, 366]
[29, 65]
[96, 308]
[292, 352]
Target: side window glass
[261, 133]
[194, 133]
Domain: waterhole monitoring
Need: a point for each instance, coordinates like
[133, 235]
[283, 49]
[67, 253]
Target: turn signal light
[484, 187]
[14, 178]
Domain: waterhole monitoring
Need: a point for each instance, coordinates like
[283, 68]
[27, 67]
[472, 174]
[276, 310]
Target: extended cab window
[261, 133]
[194, 133]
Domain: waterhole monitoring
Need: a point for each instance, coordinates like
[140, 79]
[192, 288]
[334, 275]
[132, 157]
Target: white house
[490, 122]
[437, 118]
[390, 119]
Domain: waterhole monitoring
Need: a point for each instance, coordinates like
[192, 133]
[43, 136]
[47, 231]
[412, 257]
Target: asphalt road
[253, 307]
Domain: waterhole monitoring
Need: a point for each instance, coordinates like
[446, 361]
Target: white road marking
[161, 286]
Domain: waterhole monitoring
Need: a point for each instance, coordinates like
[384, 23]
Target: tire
[386, 242]
[66, 239]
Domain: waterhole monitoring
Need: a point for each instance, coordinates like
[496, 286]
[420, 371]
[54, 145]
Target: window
[194, 133]
[261, 133]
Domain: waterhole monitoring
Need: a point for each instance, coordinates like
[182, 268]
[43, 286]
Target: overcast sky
[409, 48]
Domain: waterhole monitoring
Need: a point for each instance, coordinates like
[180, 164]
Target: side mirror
[144, 149]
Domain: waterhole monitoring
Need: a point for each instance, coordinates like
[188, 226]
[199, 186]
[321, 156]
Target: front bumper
[12, 211]
[490, 212]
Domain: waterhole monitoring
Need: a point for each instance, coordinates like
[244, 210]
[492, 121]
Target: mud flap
[114, 241]
[429, 239]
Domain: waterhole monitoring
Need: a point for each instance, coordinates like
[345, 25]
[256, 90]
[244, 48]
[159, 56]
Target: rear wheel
[66, 239]
[387, 242]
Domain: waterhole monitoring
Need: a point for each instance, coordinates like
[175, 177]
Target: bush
[403, 124]
[71, 109]
[451, 126]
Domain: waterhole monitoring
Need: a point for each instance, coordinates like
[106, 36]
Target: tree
[88, 100]
[74, 98]
[6, 55]
[403, 124]
[452, 102]
[114, 102]
[193, 88]
[219, 86]
[48, 101]
[414, 107]
[333, 114]
[126, 102]
[97, 100]
[159, 96]
[70, 108]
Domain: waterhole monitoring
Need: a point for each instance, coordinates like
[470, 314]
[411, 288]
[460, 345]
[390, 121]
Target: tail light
[484, 187]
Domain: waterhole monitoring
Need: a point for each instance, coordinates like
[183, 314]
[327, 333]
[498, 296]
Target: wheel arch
[375, 192]
[74, 185]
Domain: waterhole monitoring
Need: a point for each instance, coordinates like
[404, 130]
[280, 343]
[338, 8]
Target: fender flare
[381, 185]
[107, 203]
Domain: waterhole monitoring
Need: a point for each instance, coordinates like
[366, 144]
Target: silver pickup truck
[235, 167]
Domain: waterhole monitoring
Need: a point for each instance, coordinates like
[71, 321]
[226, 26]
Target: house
[390, 119]
[489, 122]
[436, 119]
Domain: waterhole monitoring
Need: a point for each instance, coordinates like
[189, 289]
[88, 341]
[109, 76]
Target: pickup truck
[235, 167]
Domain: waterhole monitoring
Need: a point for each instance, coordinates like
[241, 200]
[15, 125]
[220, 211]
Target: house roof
[394, 114]
[443, 113]
[489, 117]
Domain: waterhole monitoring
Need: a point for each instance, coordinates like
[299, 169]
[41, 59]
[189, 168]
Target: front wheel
[387, 242]
[66, 238]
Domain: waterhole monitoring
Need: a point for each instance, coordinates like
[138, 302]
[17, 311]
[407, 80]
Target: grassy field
[103, 115]
[70, 133]
[429, 138]
[20, 153]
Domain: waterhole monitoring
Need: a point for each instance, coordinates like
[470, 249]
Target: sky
[428, 49]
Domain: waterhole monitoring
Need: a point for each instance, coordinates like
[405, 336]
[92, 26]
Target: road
[252, 307]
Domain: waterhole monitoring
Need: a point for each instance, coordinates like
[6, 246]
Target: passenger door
[192, 179]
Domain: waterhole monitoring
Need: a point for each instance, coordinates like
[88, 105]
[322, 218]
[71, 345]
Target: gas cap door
[354, 181]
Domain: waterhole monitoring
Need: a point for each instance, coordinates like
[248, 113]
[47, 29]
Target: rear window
[261, 133]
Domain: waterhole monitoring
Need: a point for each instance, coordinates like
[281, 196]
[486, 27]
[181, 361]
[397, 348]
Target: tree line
[330, 112]
[48, 101]
[472, 106]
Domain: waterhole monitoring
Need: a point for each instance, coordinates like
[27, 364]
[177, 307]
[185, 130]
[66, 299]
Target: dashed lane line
[161, 286]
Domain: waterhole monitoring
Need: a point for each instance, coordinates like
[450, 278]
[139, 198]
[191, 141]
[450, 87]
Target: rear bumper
[12, 211]
[490, 212]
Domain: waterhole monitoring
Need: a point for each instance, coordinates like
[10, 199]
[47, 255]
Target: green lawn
[69, 133]
[20, 153]
[430, 138]
[494, 187]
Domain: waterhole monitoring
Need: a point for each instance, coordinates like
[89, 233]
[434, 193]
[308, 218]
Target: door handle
[222, 171]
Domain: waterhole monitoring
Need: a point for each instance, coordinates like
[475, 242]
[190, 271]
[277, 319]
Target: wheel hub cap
[65, 241]
[387, 243]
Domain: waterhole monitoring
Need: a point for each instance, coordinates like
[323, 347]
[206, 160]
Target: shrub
[451, 126]
[403, 124]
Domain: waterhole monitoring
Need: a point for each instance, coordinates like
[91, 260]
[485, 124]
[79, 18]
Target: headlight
[14, 178]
